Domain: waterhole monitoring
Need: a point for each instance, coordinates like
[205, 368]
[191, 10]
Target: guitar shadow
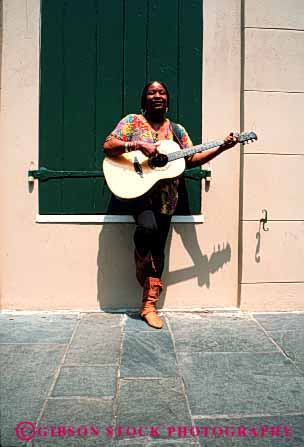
[204, 265]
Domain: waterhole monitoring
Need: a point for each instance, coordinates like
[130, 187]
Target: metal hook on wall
[264, 220]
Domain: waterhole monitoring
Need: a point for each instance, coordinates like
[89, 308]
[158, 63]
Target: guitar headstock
[247, 137]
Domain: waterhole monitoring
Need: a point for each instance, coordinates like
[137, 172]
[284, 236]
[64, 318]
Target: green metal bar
[197, 175]
[43, 174]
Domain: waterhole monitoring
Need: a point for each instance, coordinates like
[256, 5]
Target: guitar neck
[194, 150]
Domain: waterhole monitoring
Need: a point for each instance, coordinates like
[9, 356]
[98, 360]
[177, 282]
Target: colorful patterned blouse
[136, 127]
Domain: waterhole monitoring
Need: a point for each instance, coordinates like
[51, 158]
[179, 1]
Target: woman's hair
[144, 94]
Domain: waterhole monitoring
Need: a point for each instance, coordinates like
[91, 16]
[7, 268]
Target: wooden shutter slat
[79, 102]
[135, 54]
[163, 48]
[51, 100]
[190, 67]
[109, 91]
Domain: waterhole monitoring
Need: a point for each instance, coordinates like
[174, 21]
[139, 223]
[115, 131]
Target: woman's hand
[230, 141]
[115, 147]
[148, 149]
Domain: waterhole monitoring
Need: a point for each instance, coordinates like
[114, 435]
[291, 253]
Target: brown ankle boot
[152, 290]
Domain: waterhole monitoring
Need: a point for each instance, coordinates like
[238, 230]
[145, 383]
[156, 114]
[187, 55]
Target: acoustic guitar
[132, 174]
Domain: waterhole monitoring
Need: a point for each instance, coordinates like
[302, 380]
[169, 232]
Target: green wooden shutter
[96, 56]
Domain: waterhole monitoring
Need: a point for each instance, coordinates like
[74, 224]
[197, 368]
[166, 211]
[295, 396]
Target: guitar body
[130, 175]
[127, 180]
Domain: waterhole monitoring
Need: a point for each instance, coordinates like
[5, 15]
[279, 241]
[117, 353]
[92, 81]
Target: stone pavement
[108, 380]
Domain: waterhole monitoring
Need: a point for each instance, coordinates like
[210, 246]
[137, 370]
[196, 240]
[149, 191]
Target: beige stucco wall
[272, 262]
[90, 266]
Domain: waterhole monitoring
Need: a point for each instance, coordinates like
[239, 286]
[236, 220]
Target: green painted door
[96, 56]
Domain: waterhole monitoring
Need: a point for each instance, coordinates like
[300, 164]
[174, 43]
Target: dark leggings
[150, 237]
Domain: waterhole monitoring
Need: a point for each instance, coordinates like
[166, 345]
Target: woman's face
[156, 98]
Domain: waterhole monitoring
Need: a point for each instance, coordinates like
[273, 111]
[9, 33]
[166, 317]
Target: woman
[153, 211]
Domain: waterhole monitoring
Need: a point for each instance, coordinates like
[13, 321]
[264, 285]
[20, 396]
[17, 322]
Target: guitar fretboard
[194, 150]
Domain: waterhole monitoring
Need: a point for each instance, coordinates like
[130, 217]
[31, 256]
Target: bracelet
[128, 147]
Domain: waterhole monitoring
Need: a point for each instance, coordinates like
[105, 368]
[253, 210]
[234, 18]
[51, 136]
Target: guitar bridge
[137, 167]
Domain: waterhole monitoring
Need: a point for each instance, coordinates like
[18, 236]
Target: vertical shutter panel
[79, 103]
[163, 48]
[51, 102]
[135, 54]
[109, 89]
[190, 94]
[190, 67]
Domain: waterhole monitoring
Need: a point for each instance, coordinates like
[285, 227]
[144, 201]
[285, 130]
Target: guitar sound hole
[158, 161]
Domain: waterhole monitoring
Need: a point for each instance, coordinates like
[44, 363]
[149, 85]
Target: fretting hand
[230, 141]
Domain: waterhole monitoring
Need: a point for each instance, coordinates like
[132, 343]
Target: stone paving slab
[210, 320]
[176, 443]
[292, 343]
[84, 413]
[37, 328]
[266, 431]
[132, 443]
[107, 319]
[96, 441]
[152, 402]
[27, 372]
[232, 335]
[241, 383]
[88, 381]
[95, 343]
[281, 321]
[150, 354]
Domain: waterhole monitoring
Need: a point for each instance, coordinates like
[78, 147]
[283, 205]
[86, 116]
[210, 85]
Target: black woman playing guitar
[153, 210]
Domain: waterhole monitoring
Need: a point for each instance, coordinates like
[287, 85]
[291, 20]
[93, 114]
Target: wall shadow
[116, 283]
[257, 255]
[116, 268]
